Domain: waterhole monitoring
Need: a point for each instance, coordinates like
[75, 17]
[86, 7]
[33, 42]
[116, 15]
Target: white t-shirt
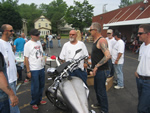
[6, 50]
[111, 43]
[118, 48]
[50, 37]
[68, 52]
[34, 52]
[144, 58]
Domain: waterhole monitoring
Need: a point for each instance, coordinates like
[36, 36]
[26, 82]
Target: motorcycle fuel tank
[74, 93]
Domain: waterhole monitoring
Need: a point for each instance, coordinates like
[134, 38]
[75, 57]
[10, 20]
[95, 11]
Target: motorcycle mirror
[76, 52]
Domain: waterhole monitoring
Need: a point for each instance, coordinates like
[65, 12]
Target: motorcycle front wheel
[57, 103]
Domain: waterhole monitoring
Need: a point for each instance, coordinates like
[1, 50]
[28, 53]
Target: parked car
[43, 44]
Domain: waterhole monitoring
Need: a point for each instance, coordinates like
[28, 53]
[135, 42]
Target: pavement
[120, 101]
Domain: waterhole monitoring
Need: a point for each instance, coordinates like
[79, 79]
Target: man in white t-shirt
[6, 50]
[68, 52]
[34, 61]
[143, 70]
[111, 42]
[118, 59]
[50, 38]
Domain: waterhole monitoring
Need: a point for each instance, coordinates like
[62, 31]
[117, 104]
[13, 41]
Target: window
[46, 25]
[39, 25]
[42, 19]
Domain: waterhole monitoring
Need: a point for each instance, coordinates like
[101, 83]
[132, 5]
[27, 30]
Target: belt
[144, 77]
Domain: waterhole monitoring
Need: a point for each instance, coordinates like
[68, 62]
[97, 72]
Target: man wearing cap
[34, 61]
[111, 42]
[118, 59]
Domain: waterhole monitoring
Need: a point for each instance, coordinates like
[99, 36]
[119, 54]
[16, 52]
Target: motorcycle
[68, 93]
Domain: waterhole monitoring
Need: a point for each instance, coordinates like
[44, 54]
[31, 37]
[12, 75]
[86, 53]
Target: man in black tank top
[99, 57]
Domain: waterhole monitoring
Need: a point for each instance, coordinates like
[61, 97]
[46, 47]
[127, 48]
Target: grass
[65, 37]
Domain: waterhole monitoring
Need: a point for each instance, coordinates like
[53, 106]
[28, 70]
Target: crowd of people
[106, 60]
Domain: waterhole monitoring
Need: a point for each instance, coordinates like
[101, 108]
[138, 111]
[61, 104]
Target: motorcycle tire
[57, 103]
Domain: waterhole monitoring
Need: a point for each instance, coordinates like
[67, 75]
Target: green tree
[136, 1]
[55, 12]
[125, 3]
[30, 13]
[13, 3]
[80, 15]
[10, 16]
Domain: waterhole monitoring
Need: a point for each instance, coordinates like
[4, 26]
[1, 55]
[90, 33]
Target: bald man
[68, 52]
[6, 50]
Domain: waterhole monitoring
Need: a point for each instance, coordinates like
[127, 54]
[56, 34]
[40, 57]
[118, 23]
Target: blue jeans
[81, 74]
[111, 67]
[59, 43]
[100, 89]
[47, 43]
[119, 73]
[37, 85]
[14, 109]
[4, 107]
[143, 87]
[51, 44]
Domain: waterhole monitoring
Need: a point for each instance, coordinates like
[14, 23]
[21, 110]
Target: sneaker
[95, 105]
[26, 81]
[43, 102]
[35, 107]
[118, 87]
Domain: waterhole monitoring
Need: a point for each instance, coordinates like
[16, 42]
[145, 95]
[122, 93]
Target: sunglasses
[71, 34]
[91, 30]
[140, 33]
[10, 30]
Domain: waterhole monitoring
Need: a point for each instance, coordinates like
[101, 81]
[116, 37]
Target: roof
[41, 18]
[138, 13]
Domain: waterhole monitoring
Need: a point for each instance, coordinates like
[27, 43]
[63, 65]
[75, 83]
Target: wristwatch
[28, 71]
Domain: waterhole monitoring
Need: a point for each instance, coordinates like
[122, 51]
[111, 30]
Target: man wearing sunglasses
[6, 50]
[34, 61]
[99, 57]
[111, 42]
[143, 70]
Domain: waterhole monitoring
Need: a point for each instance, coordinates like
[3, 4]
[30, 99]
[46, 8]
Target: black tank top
[96, 56]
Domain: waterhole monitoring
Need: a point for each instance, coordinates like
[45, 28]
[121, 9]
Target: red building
[126, 20]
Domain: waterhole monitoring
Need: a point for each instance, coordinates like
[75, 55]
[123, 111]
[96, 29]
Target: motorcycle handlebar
[75, 62]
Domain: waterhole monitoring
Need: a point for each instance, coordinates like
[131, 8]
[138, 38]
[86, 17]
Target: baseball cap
[109, 31]
[34, 32]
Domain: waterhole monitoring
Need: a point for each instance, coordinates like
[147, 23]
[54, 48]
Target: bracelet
[28, 72]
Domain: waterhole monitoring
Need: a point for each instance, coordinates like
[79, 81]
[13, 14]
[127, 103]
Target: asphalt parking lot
[120, 101]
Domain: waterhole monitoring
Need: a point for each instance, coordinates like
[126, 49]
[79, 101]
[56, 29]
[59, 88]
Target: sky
[98, 4]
